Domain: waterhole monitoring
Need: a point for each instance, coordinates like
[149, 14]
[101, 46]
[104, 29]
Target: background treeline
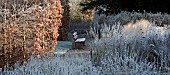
[115, 6]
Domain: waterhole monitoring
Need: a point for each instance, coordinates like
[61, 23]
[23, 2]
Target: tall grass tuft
[136, 45]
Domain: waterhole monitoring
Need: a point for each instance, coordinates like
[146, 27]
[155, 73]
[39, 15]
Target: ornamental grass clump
[139, 46]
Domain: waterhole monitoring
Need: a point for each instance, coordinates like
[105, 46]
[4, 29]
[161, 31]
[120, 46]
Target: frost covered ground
[68, 64]
[64, 62]
[63, 47]
[78, 62]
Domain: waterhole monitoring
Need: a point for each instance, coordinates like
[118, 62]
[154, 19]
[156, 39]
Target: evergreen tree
[115, 6]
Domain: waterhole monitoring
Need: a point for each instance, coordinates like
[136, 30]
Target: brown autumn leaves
[31, 31]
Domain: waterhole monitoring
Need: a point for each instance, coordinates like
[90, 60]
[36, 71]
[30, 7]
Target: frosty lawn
[63, 47]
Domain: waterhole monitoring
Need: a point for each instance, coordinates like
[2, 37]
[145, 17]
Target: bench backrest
[75, 35]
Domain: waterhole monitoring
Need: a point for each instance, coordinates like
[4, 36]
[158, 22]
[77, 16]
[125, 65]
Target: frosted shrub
[137, 47]
[27, 31]
[125, 17]
[59, 65]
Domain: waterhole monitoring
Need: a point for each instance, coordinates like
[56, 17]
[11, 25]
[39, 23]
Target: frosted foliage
[59, 65]
[126, 17]
[142, 31]
[121, 49]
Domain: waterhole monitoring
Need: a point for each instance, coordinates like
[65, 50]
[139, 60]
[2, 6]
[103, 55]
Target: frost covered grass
[131, 43]
[160, 19]
[59, 65]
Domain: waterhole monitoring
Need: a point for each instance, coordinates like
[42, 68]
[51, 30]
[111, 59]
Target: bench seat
[80, 39]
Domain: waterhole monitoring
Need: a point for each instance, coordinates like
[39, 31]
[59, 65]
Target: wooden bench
[77, 42]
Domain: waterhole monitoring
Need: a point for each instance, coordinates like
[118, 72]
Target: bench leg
[83, 43]
[75, 46]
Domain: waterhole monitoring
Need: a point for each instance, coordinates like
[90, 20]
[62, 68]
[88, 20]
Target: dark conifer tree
[115, 6]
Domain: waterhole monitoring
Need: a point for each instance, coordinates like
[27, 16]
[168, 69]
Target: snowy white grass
[121, 43]
[59, 65]
[126, 17]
